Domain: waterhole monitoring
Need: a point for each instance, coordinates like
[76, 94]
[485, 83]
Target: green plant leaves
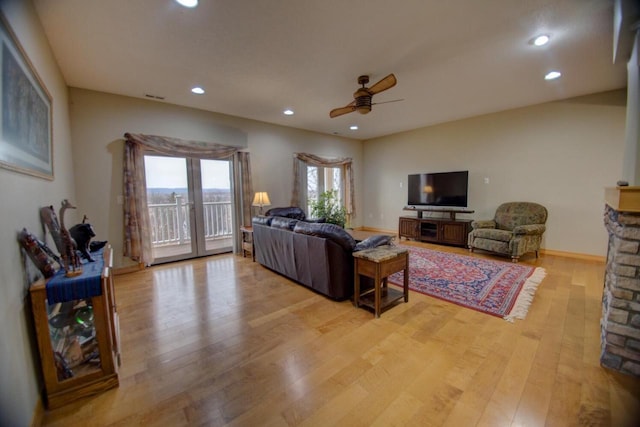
[329, 207]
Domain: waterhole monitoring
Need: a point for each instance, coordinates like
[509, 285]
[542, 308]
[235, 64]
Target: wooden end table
[247, 242]
[379, 263]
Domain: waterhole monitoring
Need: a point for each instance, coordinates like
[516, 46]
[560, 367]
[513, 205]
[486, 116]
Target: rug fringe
[525, 298]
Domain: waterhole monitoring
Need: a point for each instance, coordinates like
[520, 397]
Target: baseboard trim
[565, 254]
[38, 414]
[129, 269]
[575, 255]
[378, 230]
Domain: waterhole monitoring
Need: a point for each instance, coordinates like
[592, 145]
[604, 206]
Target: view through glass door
[190, 205]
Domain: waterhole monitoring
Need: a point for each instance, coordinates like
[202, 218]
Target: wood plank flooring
[224, 341]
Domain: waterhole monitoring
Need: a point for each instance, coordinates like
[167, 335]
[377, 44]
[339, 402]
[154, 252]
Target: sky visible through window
[171, 172]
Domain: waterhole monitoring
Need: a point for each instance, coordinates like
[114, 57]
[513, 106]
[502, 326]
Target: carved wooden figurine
[82, 234]
[70, 258]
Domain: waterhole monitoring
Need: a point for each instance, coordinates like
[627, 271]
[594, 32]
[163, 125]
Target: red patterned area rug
[503, 289]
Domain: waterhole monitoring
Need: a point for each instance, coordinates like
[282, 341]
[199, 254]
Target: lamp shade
[261, 199]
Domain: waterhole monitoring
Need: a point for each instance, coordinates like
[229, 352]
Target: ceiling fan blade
[384, 84]
[386, 102]
[343, 110]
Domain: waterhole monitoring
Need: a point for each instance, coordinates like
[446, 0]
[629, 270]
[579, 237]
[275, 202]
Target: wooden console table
[77, 329]
[379, 263]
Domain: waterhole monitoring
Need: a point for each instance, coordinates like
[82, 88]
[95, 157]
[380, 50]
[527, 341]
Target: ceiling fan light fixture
[363, 102]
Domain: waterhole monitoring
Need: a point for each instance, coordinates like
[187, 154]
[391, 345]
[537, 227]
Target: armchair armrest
[487, 223]
[529, 229]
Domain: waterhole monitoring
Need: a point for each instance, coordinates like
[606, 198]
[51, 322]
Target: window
[321, 179]
[313, 174]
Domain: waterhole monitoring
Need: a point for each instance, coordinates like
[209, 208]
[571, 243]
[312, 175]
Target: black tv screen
[438, 189]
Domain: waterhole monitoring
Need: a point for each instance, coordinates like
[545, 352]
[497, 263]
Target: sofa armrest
[316, 220]
[532, 229]
[487, 223]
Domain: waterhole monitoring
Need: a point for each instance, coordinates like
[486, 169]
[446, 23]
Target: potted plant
[329, 207]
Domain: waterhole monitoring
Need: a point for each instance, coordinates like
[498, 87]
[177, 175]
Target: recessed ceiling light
[541, 40]
[188, 3]
[353, 127]
[288, 112]
[552, 75]
[197, 90]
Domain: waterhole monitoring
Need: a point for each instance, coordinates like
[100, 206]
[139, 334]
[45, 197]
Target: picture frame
[26, 135]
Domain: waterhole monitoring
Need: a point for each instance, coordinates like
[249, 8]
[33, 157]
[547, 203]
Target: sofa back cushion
[332, 232]
[262, 220]
[283, 223]
[287, 212]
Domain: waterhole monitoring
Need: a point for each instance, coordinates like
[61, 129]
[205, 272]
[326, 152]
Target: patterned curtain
[137, 244]
[136, 213]
[344, 163]
[245, 187]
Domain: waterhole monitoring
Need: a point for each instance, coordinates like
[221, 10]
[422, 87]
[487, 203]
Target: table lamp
[261, 199]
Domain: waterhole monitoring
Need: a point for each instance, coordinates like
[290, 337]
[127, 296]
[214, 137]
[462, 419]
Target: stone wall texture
[620, 324]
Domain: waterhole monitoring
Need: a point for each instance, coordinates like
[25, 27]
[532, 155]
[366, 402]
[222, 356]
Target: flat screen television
[446, 189]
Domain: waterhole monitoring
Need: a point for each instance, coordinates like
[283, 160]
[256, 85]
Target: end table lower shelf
[388, 297]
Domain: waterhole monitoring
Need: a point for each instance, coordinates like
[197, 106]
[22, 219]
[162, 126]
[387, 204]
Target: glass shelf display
[73, 338]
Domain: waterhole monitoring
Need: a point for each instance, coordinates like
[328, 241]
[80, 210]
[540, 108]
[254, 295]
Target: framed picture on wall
[26, 144]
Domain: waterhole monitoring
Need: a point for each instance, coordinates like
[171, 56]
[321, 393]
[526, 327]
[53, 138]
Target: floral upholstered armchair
[516, 229]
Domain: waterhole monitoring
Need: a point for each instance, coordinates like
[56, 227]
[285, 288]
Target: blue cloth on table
[88, 284]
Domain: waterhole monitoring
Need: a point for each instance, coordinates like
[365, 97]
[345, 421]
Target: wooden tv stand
[447, 231]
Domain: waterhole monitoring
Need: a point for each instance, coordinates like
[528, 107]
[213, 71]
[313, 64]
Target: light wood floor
[224, 341]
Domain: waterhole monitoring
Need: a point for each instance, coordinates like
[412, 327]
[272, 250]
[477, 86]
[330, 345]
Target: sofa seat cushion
[492, 245]
[493, 234]
[332, 232]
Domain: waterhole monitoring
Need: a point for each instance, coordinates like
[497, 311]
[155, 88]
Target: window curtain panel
[243, 176]
[300, 160]
[137, 239]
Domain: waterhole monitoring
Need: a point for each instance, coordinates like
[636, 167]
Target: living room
[561, 154]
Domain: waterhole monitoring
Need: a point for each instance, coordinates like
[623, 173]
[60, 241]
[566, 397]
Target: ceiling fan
[362, 97]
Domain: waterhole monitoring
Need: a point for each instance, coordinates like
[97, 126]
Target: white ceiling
[453, 59]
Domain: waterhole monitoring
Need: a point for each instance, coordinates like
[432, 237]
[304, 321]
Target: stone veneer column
[620, 324]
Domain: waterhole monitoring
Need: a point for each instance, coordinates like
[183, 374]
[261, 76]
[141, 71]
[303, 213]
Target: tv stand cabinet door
[454, 233]
[409, 228]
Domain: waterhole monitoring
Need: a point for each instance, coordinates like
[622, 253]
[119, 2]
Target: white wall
[631, 168]
[99, 121]
[560, 154]
[22, 196]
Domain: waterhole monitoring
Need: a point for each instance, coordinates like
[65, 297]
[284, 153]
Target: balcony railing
[170, 223]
